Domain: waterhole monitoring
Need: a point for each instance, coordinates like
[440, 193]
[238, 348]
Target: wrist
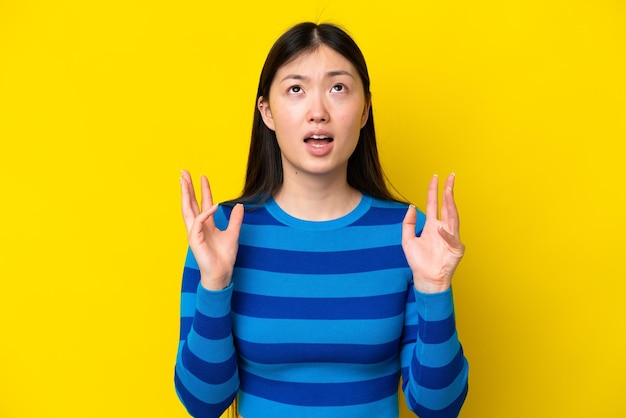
[215, 283]
[429, 287]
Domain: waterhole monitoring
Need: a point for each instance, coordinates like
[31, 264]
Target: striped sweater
[321, 320]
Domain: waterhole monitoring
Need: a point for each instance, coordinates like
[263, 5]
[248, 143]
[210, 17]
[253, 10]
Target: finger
[236, 219]
[408, 224]
[207, 197]
[449, 212]
[187, 209]
[432, 201]
[192, 193]
[451, 239]
[201, 219]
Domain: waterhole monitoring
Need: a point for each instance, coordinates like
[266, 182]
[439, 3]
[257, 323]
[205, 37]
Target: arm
[434, 368]
[206, 378]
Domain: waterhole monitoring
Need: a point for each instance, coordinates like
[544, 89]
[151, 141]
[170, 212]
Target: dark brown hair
[264, 175]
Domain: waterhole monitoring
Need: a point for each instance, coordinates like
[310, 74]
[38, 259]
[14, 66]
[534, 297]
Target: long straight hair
[264, 175]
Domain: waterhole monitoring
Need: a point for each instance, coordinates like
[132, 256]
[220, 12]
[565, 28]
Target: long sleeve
[206, 376]
[434, 369]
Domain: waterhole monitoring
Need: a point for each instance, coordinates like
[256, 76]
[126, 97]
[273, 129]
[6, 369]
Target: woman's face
[317, 108]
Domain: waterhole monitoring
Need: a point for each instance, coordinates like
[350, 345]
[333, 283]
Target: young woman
[312, 293]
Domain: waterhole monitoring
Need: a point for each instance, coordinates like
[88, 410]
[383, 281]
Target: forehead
[319, 61]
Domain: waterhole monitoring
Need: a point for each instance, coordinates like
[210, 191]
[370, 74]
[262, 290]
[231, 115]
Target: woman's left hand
[434, 256]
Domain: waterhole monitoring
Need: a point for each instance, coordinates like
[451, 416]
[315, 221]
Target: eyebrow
[329, 74]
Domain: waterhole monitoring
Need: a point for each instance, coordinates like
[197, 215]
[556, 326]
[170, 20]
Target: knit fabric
[321, 320]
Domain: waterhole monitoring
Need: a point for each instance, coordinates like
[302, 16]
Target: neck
[315, 199]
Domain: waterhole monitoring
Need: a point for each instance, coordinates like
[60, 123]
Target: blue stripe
[185, 327]
[353, 238]
[211, 351]
[438, 377]
[451, 411]
[191, 278]
[320, 394]
[254, 215]
[313, 286]
[212, 328]
[321, 353]
[195, 406]
[373, 307]
[436, 332]
[361, 331]
[322, 372]
[250, 405]
[438, 399]
[207, 393]
[211, 373]
[438, 355]
[338, 262]
[187, 304]
[381, 216]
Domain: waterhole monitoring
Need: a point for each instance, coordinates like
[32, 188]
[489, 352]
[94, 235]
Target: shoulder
[255, 214]
[388, 212]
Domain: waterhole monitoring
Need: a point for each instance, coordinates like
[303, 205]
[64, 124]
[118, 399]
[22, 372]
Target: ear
[366, 113]
[266, 113]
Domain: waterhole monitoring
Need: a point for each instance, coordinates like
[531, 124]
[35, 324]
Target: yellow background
[102, 103]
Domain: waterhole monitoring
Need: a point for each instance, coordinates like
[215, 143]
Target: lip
[319, 132]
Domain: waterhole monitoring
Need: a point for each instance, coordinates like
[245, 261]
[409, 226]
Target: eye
[295, 89]
[339, 87]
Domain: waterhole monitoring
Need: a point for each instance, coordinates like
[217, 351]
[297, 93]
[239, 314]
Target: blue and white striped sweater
[320, 320]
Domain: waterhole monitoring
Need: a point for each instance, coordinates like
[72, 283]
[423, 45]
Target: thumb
[408, 224]
[236, 219]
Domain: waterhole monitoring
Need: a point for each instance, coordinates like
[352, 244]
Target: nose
[318, 110]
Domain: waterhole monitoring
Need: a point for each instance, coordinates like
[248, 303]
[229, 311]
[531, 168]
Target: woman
[314, 299]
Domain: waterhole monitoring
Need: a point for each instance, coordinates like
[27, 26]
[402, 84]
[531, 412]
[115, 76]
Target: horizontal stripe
[190, 261]
[434, 306]
[205, 392]
[436, 332]
[343, 285]
[213, 303]
[197, 408]
[185, 327]
[187, 304]
[251, 406]
[212, 373]
[272, 331]
[320, 372]
[212, 328]
[353, 238]
[436, 355]
[450, 411]
[320, 394]
[372, 307]
[338, 262]
[381, 216]
[438, 399]
[191, 278]
[321, 353]
[211, 351]
[437, 377]
[254, 215]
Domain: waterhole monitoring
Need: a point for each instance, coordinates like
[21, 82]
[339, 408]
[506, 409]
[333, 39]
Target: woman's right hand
[215, 251]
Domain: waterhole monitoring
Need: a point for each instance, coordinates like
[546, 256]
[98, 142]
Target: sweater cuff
[434, 306]
[214, 303]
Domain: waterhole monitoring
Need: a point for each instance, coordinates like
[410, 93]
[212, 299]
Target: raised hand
[434, 256]
[214, 250]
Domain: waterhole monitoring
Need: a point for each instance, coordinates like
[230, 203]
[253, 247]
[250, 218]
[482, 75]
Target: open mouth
[318, 141]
